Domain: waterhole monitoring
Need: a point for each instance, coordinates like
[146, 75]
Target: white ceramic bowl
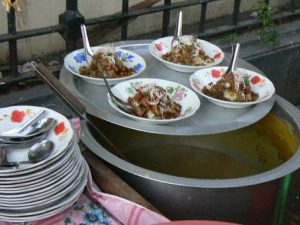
[179, 93]
[259, 84]
[74, 60]
[162, 46]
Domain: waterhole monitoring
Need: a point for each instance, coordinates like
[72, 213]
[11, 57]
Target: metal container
[255, 199]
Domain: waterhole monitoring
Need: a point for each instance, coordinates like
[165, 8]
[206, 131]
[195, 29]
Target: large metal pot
[255, 199]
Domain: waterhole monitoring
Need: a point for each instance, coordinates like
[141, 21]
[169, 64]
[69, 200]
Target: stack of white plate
[40, 190]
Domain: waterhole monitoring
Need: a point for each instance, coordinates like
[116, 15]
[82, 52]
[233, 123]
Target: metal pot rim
[286, 168]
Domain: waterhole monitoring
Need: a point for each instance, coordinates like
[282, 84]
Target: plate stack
[39, 190]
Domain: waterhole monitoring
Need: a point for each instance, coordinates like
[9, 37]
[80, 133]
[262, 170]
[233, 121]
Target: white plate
[162, 46]
[67, 201]
[184, 96]
[61, 135]
[42, 193]
[39, 171]
[49, 197]
[76, 59]
[44, 181]
[259, 84]
[40, 182]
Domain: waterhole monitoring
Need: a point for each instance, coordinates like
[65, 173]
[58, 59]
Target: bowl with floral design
[259, 84]
[175, 92]
[76, 59]
[162, 46]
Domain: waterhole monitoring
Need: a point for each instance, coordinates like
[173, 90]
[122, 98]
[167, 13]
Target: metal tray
[209, 119]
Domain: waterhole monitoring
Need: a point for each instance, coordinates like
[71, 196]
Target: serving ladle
[37, 152]
[89, 55]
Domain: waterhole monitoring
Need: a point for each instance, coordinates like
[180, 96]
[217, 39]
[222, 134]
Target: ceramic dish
[259, 84]
[162, 46]
[77, 58]
[61, 135]
[51, 193]
[45, 212]
[45, 180]
[179, 93]
[39, 173]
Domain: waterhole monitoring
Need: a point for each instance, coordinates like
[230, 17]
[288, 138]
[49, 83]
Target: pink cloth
[127, 212]
[96, 207]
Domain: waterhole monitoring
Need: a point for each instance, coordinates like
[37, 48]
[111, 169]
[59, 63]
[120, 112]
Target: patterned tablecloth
[96, 207]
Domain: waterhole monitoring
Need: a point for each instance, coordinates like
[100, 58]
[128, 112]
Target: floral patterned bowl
[184, 96]
[77, 58]
[162, 46]
[259, 84]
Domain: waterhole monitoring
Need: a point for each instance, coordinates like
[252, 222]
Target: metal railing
[70, 20]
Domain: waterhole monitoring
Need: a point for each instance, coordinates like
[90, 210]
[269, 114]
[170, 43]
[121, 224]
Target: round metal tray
[209, 119]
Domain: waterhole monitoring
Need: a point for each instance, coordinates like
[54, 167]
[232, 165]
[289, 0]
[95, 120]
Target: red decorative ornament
[216, 73]
[218, 55]
[255, 80]
[17, 116]
[158, 47]
[59, 128]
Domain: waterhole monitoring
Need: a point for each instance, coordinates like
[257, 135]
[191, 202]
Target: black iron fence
[70, 20]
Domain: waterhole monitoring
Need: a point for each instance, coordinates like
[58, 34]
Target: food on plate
[152, 102]
[107, 59]
[233, 87]
[188, 51]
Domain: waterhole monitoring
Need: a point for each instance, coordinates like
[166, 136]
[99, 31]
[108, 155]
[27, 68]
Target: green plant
[268, 34]
[233, 38]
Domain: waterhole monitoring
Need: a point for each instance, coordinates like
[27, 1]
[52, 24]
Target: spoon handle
[58, 88]
[232, 64]
[86, 44]
[73, 102]
[178, 29]
[19, 130]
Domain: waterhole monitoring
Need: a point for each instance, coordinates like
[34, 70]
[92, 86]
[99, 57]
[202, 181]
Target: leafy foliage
[268, 34]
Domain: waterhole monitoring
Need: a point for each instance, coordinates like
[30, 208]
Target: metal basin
[242, 176]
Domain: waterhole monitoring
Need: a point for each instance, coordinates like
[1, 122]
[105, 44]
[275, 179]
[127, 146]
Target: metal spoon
[89, 55]
[22, 143]
[39, 151]
[178, 28]
[87, 48]
[119, 102]
[19, 130]
[34, 131]
[40, 126]
[232, 64]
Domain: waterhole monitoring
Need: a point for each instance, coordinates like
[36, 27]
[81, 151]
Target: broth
[244, 152]
[232, 159]
[188, 161]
